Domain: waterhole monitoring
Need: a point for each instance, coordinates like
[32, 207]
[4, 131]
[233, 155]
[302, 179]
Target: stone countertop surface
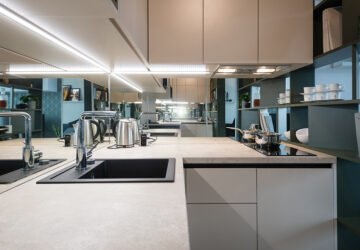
[114, 215]
[51, 149]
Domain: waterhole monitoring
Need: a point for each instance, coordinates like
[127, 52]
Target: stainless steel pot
[248, 134]
[89, 134]
[267, 139]
[123, 133]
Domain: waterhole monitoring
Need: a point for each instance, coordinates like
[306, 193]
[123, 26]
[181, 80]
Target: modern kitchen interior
[178, 125]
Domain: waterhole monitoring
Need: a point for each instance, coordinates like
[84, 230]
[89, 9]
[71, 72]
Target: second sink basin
[117, 170]
[12, 170]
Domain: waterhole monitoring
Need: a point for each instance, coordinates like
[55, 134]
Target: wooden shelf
[305, 104]
[342, 154]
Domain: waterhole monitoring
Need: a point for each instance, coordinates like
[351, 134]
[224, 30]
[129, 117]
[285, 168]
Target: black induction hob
[278, 150]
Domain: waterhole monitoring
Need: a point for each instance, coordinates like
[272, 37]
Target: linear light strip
[55, 73]
[27, 24]
[164, 72]
[120, 78]
[17, 18]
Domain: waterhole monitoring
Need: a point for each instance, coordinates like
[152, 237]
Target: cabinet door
[296, 209]
[230, 31]
[285, 31]
[222, 226]
[220, 185]
[176, 31]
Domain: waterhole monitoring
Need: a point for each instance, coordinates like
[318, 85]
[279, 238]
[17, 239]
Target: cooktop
[278, 150]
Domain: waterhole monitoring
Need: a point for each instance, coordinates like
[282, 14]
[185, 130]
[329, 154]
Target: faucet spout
[81, 155]
[28, 150]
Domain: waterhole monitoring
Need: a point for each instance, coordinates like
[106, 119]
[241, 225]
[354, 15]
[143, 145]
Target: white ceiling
[87, 29]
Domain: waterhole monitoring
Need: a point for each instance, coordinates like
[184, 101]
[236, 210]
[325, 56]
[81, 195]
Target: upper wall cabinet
[231, 31]
[176, 31]
[285, 31]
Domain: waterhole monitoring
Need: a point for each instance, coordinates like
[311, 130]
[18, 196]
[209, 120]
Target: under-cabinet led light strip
[55, 73]
[27, 24]
[165, 73]
[126, 82]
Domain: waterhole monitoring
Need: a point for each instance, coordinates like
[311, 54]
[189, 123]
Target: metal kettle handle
[114, 128]
[97, 128]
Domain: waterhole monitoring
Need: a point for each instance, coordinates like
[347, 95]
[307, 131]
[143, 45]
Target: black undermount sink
[117, 170]
[12, 170]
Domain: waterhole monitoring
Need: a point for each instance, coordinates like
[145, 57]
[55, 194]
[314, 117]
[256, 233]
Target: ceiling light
[123, 80]
[226, 70]
[178, 67]
[259, 73]
[169, 102]
[25, 23]
[164, 73]
[54, 73]
[265, 70]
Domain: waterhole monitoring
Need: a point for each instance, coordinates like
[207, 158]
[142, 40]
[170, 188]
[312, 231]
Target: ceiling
[92, 28]
[89, 30]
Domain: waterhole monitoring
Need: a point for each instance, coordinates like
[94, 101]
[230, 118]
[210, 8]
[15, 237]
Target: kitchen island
[116, 215]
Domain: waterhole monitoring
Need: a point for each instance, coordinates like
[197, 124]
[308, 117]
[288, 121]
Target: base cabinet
[296, 209]
[275, 208]
[222, 226]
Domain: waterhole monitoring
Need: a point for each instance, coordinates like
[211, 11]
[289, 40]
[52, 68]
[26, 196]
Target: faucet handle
[37, 155]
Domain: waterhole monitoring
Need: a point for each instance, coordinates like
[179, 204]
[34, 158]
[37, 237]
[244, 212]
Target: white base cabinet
[222, 226]
[296, 209]
[275, 208]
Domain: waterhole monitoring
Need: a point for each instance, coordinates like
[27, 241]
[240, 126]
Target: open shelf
[305, 104]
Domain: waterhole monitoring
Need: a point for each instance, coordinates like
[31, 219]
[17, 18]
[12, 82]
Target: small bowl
[303, 135]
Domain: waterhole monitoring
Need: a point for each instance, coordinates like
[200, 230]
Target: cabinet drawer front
[220, 185]
[222, 226]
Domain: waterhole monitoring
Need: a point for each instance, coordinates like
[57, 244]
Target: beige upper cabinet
[285, 31]
[176, 31]
[231, 31]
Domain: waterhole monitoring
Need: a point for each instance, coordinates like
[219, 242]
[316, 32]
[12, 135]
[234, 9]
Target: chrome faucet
[81, 154]
[147, 121]
[29, 155]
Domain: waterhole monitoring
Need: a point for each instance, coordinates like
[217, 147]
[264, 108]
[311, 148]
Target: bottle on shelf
[3, 98]
[256, 96]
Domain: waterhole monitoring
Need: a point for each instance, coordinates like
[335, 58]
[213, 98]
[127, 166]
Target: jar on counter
[3, 98]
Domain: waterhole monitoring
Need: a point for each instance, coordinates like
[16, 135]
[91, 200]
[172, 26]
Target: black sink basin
[12, 170]
[117, 170]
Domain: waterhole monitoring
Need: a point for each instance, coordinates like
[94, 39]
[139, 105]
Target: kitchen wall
[51, 103]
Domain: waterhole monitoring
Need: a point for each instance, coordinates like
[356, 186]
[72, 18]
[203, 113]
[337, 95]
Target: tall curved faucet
[28, 150]
[81, 155]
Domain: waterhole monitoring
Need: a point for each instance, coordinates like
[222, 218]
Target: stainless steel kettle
[123, 133]
[136, 131]
[89, 134]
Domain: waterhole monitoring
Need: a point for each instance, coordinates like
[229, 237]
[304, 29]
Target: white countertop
[114, 215]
